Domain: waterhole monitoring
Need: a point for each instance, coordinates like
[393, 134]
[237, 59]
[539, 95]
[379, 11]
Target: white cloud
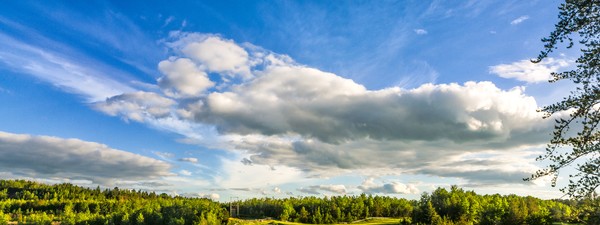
[212, 196]
[420, 31]
[529, 72]
[236, 174]
[185, 172]
[137, 106]
[309, 190]
[62, 71]
[334, 110]
[183, 78]
[45, 156]
[488, 168]
[316, 189]
[369, 186]
[335, 188]
[168, 21]
[191, 160]
[326, 130]
[277, 190]
[219, 55]
[164, 155]
[519, 20]
[291, 121]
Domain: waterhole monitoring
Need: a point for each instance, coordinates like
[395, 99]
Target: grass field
[375, 221]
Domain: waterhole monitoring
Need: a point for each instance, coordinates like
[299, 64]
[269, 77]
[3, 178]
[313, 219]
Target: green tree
[139, 219]
[576, 137]
[589, 211]
[303, 215]
[3, 218]
[541, 217]
[3, 194]
[41, 219]
[287, 212]
[317, 217]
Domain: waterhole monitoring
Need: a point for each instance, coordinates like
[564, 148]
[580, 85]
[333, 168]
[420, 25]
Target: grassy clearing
[374, 221]
[380, 221]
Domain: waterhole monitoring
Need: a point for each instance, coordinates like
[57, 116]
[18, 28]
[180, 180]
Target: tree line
[451, 207]
[27, 202]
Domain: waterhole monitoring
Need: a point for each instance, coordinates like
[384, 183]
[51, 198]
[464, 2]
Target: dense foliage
[28, 202]
[455, 206]
[34, 203]
[576, 137]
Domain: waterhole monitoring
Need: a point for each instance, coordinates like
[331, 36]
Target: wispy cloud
[185, 172]
[59, 71]
[530, 72]
[190, 160]
[519, 20]
[316, 189]
[60, 65]
[119, 36]
[420, 31]
[168, 21]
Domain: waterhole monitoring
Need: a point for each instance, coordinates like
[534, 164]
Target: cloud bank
[278, 112]
[74, 159]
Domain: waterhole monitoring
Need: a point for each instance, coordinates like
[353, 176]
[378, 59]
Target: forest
[27, 202]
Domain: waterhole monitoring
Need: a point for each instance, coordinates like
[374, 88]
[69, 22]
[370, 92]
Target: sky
[241, 99]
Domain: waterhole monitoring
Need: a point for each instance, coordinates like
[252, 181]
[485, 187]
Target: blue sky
[249, 99]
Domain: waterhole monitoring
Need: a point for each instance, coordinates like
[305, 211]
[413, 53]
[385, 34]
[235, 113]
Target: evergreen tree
[578, 132]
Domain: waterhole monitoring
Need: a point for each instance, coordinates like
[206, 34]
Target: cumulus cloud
[45, 156]
[529, 72]
[185, 172]
[190, 160]
[256, 176]
[331, 109]
[369, 186]
[137, 106]
[183, 78]
[306, 121]
[212, 196]
[219, 55]
[519, 20]
[246, 161]
[420, 31]
[335, 188]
